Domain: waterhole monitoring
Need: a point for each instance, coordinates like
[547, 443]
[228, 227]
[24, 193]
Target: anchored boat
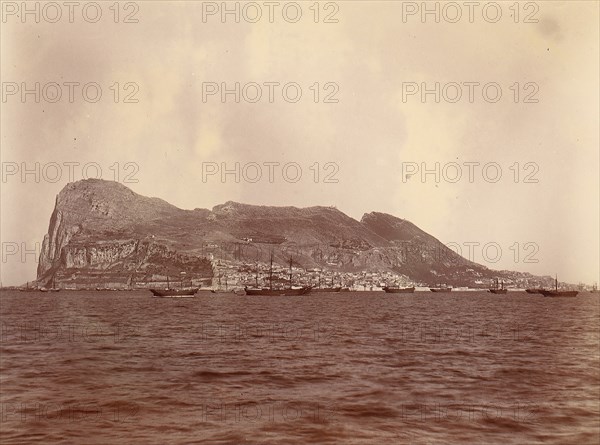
[290, 291]
[54, 288]
[331, 289]
[558, 293]
[498, 288]
[169, 292]
[440, 289]
[534, 291]
[174, 293]
[398, 290]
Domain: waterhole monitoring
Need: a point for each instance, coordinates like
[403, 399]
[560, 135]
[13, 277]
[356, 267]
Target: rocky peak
[99, 226]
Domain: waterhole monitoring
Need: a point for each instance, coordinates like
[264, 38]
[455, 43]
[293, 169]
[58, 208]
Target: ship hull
[174, 293]
[533, 291]
[328, 289]
[441, 289]
[498, 291]
[559, 293]
[278, 292]
[397, 290]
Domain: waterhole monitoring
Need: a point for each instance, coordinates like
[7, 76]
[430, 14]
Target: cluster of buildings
[231, 274]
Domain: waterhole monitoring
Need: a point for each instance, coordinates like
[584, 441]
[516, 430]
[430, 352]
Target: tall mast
[290, 271]
[555, 282]
[271, 272]
[256, 275]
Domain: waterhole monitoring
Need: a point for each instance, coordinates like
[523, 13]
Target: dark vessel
[220, 290]
[558, 293]
[175, 293]
[27, 288]
[54, 288]
[327, 289]
[278, 292]
[534, 291]
[398, 290]
[290, 291]
[440, 289]
[498, 288]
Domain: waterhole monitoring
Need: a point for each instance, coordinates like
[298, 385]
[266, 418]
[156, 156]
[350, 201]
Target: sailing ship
[327, 289]
[498, 287]
[558, 293]
[54, 288]
[220, 290]
[290, 291]
[175, 293]
[398, 290]
[27, 288]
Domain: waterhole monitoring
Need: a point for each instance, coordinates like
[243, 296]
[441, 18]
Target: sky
[509, 136]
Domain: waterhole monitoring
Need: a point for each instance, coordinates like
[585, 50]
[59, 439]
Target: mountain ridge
[102, 231]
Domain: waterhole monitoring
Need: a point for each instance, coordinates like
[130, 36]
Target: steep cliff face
[102, 233]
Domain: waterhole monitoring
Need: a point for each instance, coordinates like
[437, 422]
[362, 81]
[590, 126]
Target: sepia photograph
[357, 222]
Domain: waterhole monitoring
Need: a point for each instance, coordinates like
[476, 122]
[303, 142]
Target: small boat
[331, 289]
[174, 293]
[328, 289]
[440, 289]
[54, 288]
[498, 288]
[558, 293]
[398, 290]
[534, 291]
[169, 292]
[27, 288]
[219, 290]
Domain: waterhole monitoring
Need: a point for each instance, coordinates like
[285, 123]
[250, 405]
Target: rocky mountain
[101, 233]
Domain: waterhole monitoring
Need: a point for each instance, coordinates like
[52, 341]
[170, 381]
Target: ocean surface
[349, 368]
